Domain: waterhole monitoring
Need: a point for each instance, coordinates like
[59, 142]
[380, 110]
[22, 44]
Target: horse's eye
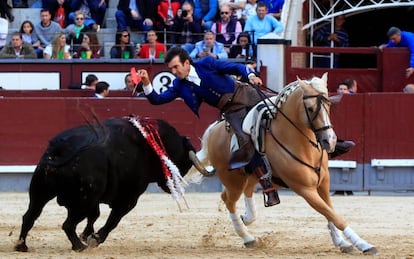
[310, 109]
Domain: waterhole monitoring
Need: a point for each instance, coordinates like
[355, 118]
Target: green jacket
[27, 51]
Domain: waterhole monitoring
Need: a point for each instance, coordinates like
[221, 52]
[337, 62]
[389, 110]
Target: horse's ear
[325, 77]
[300, 81]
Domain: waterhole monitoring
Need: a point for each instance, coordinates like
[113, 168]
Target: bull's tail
[193, 175]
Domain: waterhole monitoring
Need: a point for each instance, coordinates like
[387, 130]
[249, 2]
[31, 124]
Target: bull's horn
[198, 165]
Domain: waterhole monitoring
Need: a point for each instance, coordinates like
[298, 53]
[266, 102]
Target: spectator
[352, 85]
[342, 88]
[227, 28]
[89, 48]
[209, 47]
[130, 86]
[6, 10]
[94, 11]
[187, 29]
[20, 4]
[137, 14]
[58, 49]
[4, 30]
[274, 7]
[75, 32]
[262, 23]
[249, 10]
[325, 38]
[152, 49]
[17, 48]
[90, 83]
[243, 48]
[30, 36]
[205, 11]
[409, 89]
[166, 11]
[101, 90]
[53, 6]
[123, 48]
[46, 28]
[398, 38]
[236, 7]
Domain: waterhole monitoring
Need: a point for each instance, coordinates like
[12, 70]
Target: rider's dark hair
[177, 51]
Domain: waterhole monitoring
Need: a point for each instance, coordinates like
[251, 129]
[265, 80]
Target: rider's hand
[144, 76]
[409, 71]
[255, 80]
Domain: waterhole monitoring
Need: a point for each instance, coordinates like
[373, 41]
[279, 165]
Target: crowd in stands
[70, 29]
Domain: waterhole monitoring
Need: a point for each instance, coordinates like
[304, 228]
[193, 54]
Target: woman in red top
[152, 49]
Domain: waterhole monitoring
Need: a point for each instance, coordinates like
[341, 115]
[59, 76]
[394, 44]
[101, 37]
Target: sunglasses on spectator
[79, 18]
[224, 13]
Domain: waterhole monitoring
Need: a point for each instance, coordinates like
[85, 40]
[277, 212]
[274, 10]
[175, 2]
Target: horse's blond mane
[319, 84]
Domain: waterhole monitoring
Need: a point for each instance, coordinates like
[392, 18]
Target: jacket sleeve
[212, 10]
[165, 97]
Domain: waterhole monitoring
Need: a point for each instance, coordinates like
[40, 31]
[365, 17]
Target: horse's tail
[193, 175]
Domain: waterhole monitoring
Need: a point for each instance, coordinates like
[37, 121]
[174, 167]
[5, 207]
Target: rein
[314, 144]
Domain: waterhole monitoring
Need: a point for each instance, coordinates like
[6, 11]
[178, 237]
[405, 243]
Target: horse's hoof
[21, 246]
[92, 242]
[250, 244]
[246, 222]
[371, 251]
[347, 249]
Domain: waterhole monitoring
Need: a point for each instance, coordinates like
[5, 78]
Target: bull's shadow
[109, 162]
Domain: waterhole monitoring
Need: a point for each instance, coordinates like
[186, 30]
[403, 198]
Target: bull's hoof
[92, 242]
[347, 249]
[83, 237]
[372, 251]
[79, 248]
[21, 246]
[250, 244]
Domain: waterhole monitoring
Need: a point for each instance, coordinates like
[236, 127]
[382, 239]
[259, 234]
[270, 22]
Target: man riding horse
[208, 80]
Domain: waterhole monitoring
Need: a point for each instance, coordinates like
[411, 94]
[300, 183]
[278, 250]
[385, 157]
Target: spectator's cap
[250, 60]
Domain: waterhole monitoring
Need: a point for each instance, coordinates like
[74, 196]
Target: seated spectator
[352, 85]
[94, 11]
[205, 11]
[409, 89]
[58, 49]
[166, 12]
[30, 36]
[137, 91]
[17, 48]
[342, 88]
[4, 30]
[101, 90]
[227, 28]
[236, 6]
[53, 6]
[137, 14]
[6, 10]
[152, 49]
[262, 23]
[274, 7]
[209, 47]
[249, 10]
[123, 48]
[187, 29]
[89, 48]
[243, 48]
[46, 29]
[75, 32]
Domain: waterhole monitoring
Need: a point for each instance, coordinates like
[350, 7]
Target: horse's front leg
[230, 199]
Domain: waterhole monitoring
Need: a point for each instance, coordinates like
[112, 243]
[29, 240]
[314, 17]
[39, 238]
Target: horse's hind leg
[250, 212]
[230, 198]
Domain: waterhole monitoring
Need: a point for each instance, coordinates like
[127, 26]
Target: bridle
[321, 101]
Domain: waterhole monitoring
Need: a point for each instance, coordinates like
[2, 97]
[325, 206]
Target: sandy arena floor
[156, 229]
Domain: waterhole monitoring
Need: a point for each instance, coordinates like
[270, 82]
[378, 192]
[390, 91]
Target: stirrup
[270, 197]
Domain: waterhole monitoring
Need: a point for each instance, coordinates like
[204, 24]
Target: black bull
[109, 163]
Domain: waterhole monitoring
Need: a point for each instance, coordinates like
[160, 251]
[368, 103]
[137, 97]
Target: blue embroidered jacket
[215, 81]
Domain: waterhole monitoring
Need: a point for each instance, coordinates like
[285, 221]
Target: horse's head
[317, 109]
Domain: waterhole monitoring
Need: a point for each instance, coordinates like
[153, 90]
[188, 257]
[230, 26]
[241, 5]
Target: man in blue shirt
[194, 85]
[400, 38]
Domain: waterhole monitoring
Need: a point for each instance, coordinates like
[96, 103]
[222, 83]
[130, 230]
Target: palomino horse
[296, 142]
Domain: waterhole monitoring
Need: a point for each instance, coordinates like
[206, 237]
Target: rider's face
[180, 70]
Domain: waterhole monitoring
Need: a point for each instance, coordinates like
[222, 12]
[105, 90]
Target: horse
[296, 140]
